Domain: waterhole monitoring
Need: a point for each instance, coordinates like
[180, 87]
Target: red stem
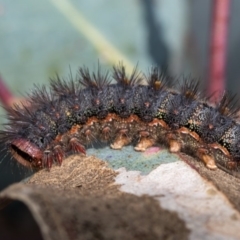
[6, 97]
[218, 48]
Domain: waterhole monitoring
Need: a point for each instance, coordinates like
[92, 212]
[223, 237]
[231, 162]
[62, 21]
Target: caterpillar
[73, 114]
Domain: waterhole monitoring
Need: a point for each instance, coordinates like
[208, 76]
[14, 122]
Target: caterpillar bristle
[95, 80]
[157, 79]
[41, 94]
[229, 105]
[119, 74]
[190, 88]
[64, 88]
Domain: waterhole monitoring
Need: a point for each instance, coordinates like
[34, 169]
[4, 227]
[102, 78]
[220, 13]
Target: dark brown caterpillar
[73, 115]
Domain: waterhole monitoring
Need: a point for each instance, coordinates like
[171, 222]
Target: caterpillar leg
[173, 142]
[145, 141]
[203, 154]
[121, 140]
[193, 139]
[221, 148]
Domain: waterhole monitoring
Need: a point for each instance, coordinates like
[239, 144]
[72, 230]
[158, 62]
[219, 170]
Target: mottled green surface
[132, 160]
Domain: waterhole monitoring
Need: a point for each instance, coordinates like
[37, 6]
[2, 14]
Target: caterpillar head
[26, 153]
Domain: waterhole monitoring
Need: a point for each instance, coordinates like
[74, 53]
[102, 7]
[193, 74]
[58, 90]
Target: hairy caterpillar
[73, 115]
